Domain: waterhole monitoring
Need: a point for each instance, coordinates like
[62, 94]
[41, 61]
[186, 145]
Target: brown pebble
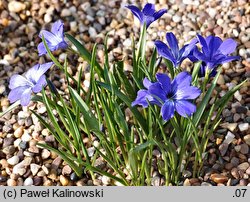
[218, 178]
[48, 183]
[80, 183]
[11, 182]
[52, 175]
[243, 166]
[235, 173]
[37, 181]
[244, 149]
[66, 170]
[64, 181]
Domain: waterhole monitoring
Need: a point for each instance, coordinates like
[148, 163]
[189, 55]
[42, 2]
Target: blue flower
[148, 13]
[54, 39]
[22, 86]
[170, 96]
[172, 51]
[213, 53]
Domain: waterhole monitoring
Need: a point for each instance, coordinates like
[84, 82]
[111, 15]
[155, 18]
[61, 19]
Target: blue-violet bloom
[148, 13]
[170, 96]
[172, 52]
[22, 86]
[54, 39]
[214, 52]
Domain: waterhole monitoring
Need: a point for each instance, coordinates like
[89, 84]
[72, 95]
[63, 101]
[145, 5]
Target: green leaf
[202, 106]
[84, 53]
[127, 101]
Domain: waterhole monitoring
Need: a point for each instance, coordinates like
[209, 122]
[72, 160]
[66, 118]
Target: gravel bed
[22, 163]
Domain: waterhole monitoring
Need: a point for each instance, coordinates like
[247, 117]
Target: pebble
[106, 180]
[64, 181]
[16, 6]
[13, 160]
[244, 149]
[3, 178]
[66, 170]
[65, 12]
[243, 166]
[218, 178]
[92, 32]
[28, 181]
[229, 137]
[56, 162]
[2, 89]
[187, 182]
[11, 182]
[37, 181]
[26, 137]
[223, 148]
[243, 126]
[73, 177]
[45, 154]
[34, 168]
[235, 173]
[247, 139]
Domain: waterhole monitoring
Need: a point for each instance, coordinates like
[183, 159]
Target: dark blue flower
[172, 51]
[22, 86]
[170, 96]
[54, 39]
[148, 13]
[214, 52]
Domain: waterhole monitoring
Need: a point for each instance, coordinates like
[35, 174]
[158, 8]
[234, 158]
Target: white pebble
[26, 137]
[243, 126]
[13, 160]
[28, 182]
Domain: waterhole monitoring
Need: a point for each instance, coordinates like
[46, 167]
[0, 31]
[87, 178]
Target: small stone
[9, 150]
[2, 89]
[91, 151]
[18, 132]
[65, 12]
[243, 166]
[223, 148]
[238, 96]
[13, 160]
[235, 161]
[221, 80]
[241, 109]
[34, 168]
[48, 183]
[247, 139]
[16, 6]
[176, 18]
[73, 177]
[52, 175]
[235, 173]
[229, 138]
[243, 126]
[3, 178]
[244, 149]
[187, 182]
[26, 137]
[37, 181]
[248, 171]
[45, 154]
[23, 145]
[218, 178]
[42, 110]
[206, 184]
[8, 141]
[64, 181]
[56, 162]
[28, 181]
[186, 173]
[92, 32]
[66, 170]
[11, 182]
[106, 180]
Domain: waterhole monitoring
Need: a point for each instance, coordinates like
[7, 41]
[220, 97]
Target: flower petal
[167, 110]
[164, 51]
[165, 82]
[214, 43]
[25, 97]
[39, 85]
[187, 92]
[203, 44]
[41, 49]
[156, 91]
[16, 93]
[37, 71]
[57, 28]
[147, 83]
[137, 13]
[141, 98]
[228, 59]
[17, 80]
[181, 80]
[173, 44]
[149, 9]
[185, 108]
[228, 46]
[52, 39]
[158, 14]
